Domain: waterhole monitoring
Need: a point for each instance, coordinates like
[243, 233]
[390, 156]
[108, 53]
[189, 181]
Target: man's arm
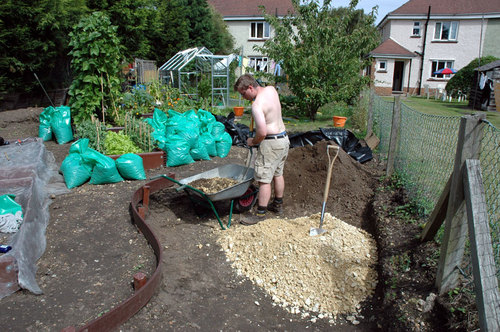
[260, 124]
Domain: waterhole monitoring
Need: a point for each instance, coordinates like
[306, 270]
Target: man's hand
[250, 141]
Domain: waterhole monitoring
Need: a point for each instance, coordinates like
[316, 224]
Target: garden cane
[320, 230]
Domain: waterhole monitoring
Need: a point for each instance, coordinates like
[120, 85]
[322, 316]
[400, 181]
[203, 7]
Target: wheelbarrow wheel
[247, 200]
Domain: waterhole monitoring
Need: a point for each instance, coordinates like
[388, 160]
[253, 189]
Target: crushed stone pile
[316, 276]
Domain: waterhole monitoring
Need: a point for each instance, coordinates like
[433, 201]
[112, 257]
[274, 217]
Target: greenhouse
[193, 71]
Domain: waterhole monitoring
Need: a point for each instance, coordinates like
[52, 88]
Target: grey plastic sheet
[29, 172]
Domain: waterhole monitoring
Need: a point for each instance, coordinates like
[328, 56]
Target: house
[246, 24]
[424, 36]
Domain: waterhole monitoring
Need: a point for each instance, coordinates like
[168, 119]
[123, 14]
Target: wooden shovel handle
[330, 168]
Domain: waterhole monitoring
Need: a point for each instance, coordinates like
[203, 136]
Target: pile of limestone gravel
[316, 276]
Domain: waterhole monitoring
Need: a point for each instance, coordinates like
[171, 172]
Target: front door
[397, 80]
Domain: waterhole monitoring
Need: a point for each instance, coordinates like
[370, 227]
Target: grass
[444, 108]
[300, 125]
[421, 104]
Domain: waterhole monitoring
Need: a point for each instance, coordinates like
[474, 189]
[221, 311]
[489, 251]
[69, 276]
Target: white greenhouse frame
[183, 71]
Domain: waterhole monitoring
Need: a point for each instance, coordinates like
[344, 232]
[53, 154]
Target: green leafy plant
[96, 66]
[118, 143]
[94, 130]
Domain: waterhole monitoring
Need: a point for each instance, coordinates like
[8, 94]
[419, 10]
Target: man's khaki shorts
[270, 159]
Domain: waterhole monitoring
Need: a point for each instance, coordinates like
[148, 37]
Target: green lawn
[299, 125]
[421, 104]
[454, 108]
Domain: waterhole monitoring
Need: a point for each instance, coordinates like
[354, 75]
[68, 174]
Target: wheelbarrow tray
[232, 171]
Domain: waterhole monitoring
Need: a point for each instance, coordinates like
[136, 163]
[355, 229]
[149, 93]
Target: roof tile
[391, 47]
[251, 8]
[448, 7]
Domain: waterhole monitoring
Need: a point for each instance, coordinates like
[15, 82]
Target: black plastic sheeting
[343, 137]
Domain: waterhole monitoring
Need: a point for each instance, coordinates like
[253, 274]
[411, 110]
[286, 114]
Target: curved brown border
[120, 314]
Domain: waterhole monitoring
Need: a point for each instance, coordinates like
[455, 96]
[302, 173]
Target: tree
[96, 63]
[135, 21]
[189, 23]
[34, 38]
[463, 79]
[323, 51]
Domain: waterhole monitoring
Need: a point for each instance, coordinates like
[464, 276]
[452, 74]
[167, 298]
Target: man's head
[246, 85]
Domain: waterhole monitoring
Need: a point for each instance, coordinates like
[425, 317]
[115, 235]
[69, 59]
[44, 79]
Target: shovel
[320, 230]
[243, 176]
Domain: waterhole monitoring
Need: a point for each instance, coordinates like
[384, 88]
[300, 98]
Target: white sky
[384, 6]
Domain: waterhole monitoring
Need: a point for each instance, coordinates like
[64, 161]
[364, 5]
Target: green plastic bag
[44, 129]
[11, 214]
[177, 151]
[199, 151]
[75, 171]
[80, 146]
[103, 167]
[208, 141]
[174, 124]
[207, 121]
[131, 167]
[61, 124]
[223, 145]
[217, 130]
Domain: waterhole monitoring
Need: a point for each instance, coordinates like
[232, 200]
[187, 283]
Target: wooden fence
[462, 207]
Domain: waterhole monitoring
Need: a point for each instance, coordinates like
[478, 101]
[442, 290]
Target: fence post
[483, 260]
[369, 124]
[455, 231]
[393, 142]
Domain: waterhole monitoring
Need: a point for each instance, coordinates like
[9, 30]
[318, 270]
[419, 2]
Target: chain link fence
[425, 157]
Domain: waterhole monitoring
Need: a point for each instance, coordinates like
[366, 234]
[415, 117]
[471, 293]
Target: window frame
[265, 30]
[435, 66]
[416, 26]
[439, 30]
[379, 66]
[257, 58]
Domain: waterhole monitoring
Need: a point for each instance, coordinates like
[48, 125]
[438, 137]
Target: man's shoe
[275, 207]
[252, 219]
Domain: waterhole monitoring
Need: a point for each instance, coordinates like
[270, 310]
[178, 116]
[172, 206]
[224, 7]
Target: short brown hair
[244, 81]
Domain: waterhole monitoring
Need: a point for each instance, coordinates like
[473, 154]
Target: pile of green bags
[56, 122]
[189, 136]
[83, 164]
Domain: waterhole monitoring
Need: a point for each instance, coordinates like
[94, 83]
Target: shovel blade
[316, 231]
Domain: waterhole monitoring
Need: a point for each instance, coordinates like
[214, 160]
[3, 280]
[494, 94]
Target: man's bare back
[267, 101]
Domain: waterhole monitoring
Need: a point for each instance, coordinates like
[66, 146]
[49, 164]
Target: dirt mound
[351, 188]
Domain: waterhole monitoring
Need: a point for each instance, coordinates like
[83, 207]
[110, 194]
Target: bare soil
[93, 251]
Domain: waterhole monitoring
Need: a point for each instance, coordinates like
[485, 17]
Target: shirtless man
[273, 143]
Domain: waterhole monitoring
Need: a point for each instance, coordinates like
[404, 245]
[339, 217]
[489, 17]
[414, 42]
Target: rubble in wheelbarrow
[213, 185]
[315, 276]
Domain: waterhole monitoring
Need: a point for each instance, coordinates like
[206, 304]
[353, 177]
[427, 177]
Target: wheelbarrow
[242, 195]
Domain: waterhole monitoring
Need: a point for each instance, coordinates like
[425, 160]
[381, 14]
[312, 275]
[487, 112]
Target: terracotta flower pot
[238, 110]
[339, 121]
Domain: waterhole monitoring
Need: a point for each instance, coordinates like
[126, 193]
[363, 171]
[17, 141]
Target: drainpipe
[423, 50]
[409, 75]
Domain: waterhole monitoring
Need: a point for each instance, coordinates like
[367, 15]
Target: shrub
[463, 79]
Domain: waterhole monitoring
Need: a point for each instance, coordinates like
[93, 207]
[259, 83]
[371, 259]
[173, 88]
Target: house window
[440, 64]
[382, 65]
[416, 29]
[259, 63]
[259, 30]
[446, 30]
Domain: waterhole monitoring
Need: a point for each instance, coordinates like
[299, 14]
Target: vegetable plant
[96, 53]
[119, 143]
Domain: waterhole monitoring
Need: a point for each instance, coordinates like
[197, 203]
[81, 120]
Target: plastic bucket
[339, 121]
[238, 110]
